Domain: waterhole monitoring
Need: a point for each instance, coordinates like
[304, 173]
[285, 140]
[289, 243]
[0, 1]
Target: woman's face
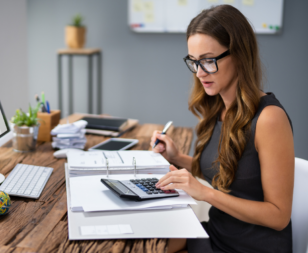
[224, 81]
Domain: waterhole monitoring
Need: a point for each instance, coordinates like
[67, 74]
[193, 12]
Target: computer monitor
[5, 132]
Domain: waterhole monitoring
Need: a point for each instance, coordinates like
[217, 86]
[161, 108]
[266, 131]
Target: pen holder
[48, 121]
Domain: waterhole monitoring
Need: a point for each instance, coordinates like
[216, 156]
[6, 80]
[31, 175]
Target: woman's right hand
[166, 146]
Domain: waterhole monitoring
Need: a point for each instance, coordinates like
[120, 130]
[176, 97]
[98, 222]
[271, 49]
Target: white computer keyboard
[26, 181]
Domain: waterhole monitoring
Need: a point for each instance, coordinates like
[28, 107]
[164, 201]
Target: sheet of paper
[116, 159]
[106, 230]
[90, 195]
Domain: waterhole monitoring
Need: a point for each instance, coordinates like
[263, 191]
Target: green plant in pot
[75, 33]
[25, 129]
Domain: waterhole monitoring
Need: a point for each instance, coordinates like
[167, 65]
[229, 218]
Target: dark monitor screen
[4, 127]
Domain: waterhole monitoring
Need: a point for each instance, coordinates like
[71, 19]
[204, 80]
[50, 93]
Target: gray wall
[13, 56]
[144, 76]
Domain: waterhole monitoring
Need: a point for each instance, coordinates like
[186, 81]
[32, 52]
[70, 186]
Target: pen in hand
[163, 132]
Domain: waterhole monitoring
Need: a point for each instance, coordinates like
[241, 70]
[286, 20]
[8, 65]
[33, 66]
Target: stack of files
[108, 126]
[88, 194]
[69, 135]
[89, 163]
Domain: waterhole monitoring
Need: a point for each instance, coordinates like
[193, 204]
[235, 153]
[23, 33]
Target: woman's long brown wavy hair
[231, 29]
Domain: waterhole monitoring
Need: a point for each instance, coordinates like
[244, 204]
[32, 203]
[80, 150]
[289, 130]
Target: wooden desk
[41, 225]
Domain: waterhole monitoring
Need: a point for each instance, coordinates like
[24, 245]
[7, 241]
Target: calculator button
[149, 192]
[143, 179]
[167, 191]
[161, 191]
[132, 180]
[155, 192]
[172, 191]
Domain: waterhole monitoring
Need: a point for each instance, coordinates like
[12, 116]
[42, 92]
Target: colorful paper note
[137, 5]
[148, 6]
[228, 1]
[248, 2]
[182, 2]
[149, 17]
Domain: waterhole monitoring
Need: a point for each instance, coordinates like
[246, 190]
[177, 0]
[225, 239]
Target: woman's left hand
[182, 179]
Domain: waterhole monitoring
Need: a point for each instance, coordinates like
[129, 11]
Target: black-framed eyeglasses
[208, 65]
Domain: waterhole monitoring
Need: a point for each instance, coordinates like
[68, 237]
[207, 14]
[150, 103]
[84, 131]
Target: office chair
[299, 215]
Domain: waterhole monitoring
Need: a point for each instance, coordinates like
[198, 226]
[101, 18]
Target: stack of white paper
[88, 194]
[119, 162]
[69, 135]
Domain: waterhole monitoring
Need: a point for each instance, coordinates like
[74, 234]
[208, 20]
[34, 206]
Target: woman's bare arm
[274, 143]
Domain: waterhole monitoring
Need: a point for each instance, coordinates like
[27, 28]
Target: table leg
[60, 83]
[90, 85]
[70, 83]
[99, 83]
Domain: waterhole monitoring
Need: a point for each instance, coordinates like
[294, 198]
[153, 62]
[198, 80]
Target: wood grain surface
[41, 225]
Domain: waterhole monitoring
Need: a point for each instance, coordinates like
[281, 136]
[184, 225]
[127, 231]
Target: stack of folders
[86, 169]
[108, 126]
[69, 135]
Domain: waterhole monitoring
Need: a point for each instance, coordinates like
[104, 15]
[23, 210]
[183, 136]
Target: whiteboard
[174, 16]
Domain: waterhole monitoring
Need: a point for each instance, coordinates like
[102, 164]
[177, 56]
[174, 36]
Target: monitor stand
[2, 178]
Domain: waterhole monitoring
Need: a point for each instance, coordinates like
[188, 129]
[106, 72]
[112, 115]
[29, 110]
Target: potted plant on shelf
[25, 129]
[75, 34]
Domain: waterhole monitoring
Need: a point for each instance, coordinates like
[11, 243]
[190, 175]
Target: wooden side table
[88, 52]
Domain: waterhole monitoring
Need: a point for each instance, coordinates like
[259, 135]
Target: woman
[244, 142]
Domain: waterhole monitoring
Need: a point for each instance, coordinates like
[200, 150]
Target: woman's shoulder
[271, 117]
[272, 120]
[270, 114]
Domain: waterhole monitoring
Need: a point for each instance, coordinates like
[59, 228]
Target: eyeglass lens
[208, 64]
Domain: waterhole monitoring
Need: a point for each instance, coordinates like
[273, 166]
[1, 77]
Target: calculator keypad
[138, 189]
[148, 185]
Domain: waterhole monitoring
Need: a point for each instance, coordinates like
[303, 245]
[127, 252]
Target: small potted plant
[25, 129]
[75, 34]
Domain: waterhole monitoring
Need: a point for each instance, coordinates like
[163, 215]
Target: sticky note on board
[248, 2]
[148, 6]
[182, 2]
[137, 5]
[149, 17]
[229, 1]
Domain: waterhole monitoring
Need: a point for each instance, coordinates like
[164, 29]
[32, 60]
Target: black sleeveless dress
[228, 234]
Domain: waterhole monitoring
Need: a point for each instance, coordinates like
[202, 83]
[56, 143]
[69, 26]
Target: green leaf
[29, 119]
